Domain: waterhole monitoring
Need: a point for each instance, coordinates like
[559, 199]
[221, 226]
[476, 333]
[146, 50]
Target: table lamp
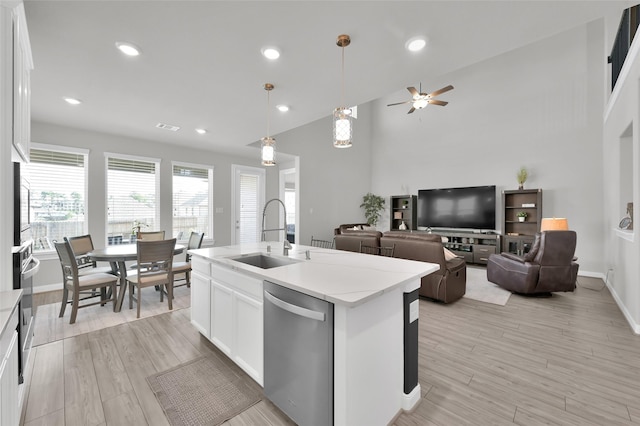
[554, 224]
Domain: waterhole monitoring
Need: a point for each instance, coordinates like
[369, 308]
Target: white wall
[622, 249]
[332, 180]
[539, 107]
[99, 143]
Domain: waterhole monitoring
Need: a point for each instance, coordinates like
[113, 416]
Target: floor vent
[167, 127]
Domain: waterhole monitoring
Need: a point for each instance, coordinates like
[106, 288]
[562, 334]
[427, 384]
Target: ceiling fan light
[342, 128]
[268, 151]
[420, 103]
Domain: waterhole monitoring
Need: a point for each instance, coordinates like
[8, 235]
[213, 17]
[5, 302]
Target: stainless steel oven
[25, 266]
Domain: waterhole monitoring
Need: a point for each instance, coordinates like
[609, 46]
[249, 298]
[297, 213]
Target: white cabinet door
[201, 303]
[221, 317]
[248, 350]
[9, 410]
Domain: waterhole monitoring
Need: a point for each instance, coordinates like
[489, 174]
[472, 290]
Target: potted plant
[373, 206]
[521, 176]
[521, 216]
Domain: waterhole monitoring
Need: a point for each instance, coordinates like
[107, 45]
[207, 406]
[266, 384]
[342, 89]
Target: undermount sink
[263, 261]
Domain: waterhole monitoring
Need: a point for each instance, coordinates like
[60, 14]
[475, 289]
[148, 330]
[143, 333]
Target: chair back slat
[321, 243]
[150, 236]
[67, 260]
[155, 257]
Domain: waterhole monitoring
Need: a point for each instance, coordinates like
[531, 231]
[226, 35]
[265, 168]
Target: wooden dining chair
[154, 268]
[81, 245]
[195, 242]
[83, 285]
[150, 235]
[321, 243]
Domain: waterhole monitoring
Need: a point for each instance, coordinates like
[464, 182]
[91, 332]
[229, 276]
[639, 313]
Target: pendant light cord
[342, 95]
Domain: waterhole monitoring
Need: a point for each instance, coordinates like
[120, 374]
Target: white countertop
[8, 302]
[337, 276]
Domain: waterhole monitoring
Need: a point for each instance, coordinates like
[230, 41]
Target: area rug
[202, 392]
[48, 327]
[479, 288]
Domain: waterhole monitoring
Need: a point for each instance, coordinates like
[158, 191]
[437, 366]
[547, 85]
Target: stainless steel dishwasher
[298, 354]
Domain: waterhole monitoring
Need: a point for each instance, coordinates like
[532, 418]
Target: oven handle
[33, 270]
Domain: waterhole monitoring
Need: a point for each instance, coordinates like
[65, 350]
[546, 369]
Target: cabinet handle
[294, 309]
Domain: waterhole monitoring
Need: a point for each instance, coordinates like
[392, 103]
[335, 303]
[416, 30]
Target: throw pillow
[448, 254]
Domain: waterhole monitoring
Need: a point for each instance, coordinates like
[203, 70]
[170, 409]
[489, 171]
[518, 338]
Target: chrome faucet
[285, 247]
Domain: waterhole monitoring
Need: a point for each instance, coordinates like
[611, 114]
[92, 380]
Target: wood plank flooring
[571, 359]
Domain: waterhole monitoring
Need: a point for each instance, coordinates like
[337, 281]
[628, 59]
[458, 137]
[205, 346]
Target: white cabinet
[15, 75]
[200, 301]
[249, 331]
[221, 317]
[9, 407]
[22, 66]
[231, 303]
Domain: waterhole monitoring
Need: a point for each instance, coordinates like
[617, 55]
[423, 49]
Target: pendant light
[342, 118]
[268, 143]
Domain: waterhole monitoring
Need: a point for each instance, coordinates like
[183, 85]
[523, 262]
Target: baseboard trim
[635, 327]
[410, 400]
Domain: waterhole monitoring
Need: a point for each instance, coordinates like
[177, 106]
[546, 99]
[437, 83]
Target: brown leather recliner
[549, 266]
[446, 285]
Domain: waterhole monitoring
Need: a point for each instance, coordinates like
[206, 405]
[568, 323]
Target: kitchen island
[370, 308]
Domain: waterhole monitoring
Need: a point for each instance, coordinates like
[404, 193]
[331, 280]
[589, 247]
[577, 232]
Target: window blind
[248, 208]
[131, 198]
[58, 195]
[191, 207]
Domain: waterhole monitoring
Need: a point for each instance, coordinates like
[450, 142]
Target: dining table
[117, 255]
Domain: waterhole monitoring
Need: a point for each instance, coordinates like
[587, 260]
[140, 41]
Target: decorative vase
[521, 187]
[403, 226]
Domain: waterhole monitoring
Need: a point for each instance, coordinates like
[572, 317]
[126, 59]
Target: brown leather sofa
[549, 266]
[350, 240]
[446, 285]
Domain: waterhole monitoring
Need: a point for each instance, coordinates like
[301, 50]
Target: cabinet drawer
[481, 253]
[237, 281]
[200, 265]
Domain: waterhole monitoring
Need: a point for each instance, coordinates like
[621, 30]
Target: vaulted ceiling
[201, 64]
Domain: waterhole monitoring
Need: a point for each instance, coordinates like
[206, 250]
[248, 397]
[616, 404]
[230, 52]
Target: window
[57, 178]
[132, 201]
[192, 200]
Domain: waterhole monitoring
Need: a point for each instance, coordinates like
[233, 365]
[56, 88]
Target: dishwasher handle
[295, 309]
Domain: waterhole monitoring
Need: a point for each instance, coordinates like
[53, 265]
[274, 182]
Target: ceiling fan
[421, 100]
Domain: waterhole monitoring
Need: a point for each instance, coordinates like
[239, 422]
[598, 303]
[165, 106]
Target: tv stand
[473, 246]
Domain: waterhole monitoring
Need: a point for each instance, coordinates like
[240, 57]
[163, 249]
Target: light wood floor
[571, 359]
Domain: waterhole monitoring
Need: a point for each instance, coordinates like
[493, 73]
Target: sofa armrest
[512, 256]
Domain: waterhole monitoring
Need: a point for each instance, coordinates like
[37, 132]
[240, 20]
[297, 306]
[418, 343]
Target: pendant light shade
[342, 116]
[268, 143]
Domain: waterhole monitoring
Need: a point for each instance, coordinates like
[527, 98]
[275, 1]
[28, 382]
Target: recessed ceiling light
[416, 44]
[270, 53]
[73, 101]
[128, 49]
[282, 108]
[201, 131]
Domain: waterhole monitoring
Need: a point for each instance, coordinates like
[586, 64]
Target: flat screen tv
[458, 208]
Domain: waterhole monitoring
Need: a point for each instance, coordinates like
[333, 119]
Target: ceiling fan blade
[413, 91]
[400, 103]
[443, 90]
[437, 102]
[411, 110]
